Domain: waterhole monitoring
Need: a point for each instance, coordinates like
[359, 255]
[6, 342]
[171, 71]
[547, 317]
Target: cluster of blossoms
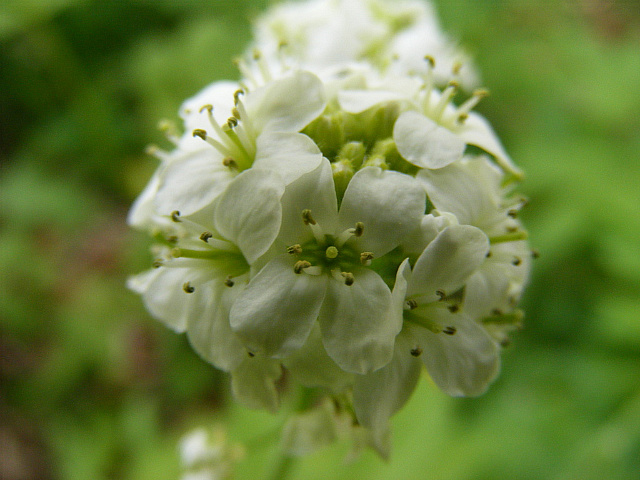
[334, 219]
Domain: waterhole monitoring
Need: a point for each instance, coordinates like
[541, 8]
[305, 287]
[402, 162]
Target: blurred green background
[93, 388]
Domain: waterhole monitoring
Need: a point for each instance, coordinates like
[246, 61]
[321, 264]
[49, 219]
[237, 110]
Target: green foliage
[94, 388]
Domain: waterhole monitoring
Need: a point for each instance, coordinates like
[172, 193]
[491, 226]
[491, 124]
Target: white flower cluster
[337, 223]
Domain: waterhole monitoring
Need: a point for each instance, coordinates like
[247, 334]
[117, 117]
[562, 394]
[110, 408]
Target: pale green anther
[208, 107]
[175, 216]
[509, 237]
[206, 236]
[188, 288]
[359, 230]
[331, 252]
[230, 163]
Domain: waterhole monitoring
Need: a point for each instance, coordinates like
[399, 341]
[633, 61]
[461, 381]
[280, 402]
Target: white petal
[355, 320]
[380, 394]
[356, 101]
[288, 104]
[253, 383]
[142, 213]
[249, 212]
[312, 367]
[389, 204]
[210, 334]
[276, 311]
[448, 261]
[192, 182]
[486, 290]
[314, 191]
[462, 364]
[430, 226]
[477, 131]
[468, 189]
[424, 143]
[164, 297]
[290, 154]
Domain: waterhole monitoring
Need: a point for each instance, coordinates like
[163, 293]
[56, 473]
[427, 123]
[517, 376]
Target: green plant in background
[91, 388]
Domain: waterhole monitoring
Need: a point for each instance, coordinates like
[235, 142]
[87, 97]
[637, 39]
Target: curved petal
[477, 131]
[249, 212]
[275, 313]
[312, 367]
[288, 104]
[190, 183]
[314, 191]
[355, 321]
[164, 297]
[210, 334]
[357, 101]
[253, 383]
[463, 364]
[447, 262]
[380, 394]
[290, 154]
[424, 143]
[468, 189]
[389, 204]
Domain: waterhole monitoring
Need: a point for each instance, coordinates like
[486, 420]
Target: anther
[236, 96]
[348, 278]
[157, 263]
[208, 107]
[230, 163]
[412, 304]
[496, 312]
[228, 282]
[359, 229]
[206, 236]
[513, 213]
[441, 295]
[251, 354]
[175, 216]
[416, 351]
[307, 218]
[516, 261]
[232, 122]
[294, 249]
[430, 60]
[198, 132]
[331, 252]
[453, 308]
[455, 69]
[172, 239]
[449, 330]
[366, 257]
[535, 254]
[488, 255]
[188, 288]
[300, 266]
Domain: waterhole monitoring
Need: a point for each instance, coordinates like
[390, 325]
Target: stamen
[509, 237]
[294, 249]
[444, 100]
[201, 254]
[462, 112]
[230, 163]
[157, 263]
[188, 288]
[307, 218]
[170, 131]
[535, 254]
[412, 304]
[516, 261]
[450, 330]
[348, 278]
[453, 308]
[206, 236]
[416, 351]
[228, 282]
[441, 295]
[175, 216]
[236, 96]
[365, 258]
[359, 230]
[300, 266]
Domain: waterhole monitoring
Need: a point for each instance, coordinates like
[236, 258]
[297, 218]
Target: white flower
[261, 133]
[325, 276]
[460, 356]
[472, 190]
[208, 457]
